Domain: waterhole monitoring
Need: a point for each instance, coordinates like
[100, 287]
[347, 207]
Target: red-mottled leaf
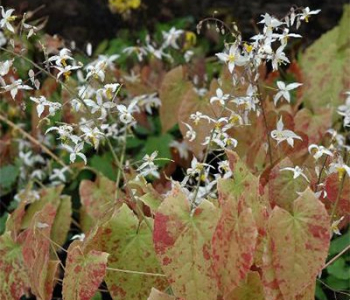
[130, 246]
[313, 124]
[332, 185]
[272, 290]
[182, 242]
[84, 273]
[14, 281]
[250, 289]
[233, 244]
[299, 243]
[40, 268]
[173, 89]
[283, 188]
[326, 76]
[158, 295]
[96, 198]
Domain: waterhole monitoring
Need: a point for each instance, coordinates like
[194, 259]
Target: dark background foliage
[91, 20]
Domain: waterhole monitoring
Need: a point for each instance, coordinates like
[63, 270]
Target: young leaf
[84, 273]
[299, 243]
[182, 242]
[14, 282]
[233, 244]
[130, 246]
[41, 270]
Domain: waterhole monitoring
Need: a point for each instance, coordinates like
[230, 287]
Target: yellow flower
[122, 6]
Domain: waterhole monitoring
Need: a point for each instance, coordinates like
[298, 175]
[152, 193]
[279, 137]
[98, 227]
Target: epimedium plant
[264, 178]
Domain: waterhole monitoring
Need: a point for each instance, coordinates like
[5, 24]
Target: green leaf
[105, 165]
[131, 249]
[330, 70]
[182, 240]
[339, 243]
[8, 176]
[3, 220]
[171, 93]
[337, 284]
[300, 242]
[160, 144]
[84, 273]
[339, 269]
[319, 293]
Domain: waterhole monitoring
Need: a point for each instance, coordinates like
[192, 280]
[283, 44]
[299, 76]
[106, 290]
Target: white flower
[100, 105]
[220, 96]
[188, 55]
[279, 58]
[139, 51]
[109, 90]
[198, 168]
[7, 17]
[41, 102]
[281, 135]
[224, 168]
[285, 35]
[297, 171]
[64, 131]
[148, 161]
[335, 225]
[284, 90]
[171, 37]
[148, 101]
[96, 71]
[92, 135]
[107, 60]
[66, 70]
[339, 167]
[62, 57]
[5, 67]
[158, 53]
[15, 86]
[232, 58]
[190, 134]
[59, 174]
[307, 13]
[318, 151]
[181, 148]
[76, 151]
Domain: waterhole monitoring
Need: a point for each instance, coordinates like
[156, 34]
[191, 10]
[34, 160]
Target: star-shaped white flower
[284, 90]
[7, 18]
[297, 171]
[280, 135]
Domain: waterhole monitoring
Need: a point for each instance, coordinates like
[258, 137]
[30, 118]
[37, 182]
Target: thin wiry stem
[136, 272]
